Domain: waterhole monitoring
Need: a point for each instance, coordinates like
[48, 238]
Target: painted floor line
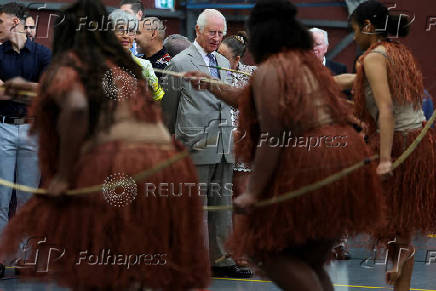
[336, 285]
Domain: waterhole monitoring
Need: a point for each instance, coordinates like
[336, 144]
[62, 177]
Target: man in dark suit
[320, 47]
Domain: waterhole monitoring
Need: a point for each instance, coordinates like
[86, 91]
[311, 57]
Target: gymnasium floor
[346, 275]
[353, 275]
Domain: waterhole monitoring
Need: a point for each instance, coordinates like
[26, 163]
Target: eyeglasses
[29, 27]
[212, 33]
[125, 32]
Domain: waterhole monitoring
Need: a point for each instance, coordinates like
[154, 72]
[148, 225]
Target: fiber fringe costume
[155, 240]
[351, 205]
[410, 193]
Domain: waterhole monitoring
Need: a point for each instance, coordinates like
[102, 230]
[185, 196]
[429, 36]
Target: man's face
[128, 8]
[7, 24]
[145, 34]
[212, 35]
[319, 45]
[30, 28]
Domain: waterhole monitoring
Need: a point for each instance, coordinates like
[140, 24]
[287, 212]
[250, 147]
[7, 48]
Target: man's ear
[367, 26]
[15, 21]
[154, 34]
[237, 59]
[197, 30]
[140, 14]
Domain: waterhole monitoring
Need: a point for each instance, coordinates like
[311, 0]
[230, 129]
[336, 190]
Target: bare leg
[402, 255]
[317, 257]
[324, 279]
[291, 273]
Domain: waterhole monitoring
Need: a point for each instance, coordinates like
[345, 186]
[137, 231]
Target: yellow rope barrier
[98, 188]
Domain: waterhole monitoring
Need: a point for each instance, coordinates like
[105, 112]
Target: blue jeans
[19, 160]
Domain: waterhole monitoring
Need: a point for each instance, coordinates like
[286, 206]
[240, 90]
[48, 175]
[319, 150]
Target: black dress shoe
[232, 272]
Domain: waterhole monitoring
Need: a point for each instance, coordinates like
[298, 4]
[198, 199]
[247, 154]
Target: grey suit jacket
[197, 118]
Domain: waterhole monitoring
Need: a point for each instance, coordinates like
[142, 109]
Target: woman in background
[233, 48]
[125, 27]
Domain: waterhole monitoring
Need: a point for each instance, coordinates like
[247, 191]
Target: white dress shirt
[203, 53]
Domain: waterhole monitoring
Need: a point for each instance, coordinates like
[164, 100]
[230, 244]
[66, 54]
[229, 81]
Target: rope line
[274, 200]
[97, 188]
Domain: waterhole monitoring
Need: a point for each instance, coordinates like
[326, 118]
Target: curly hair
[379, 16]
[76, 32]
[273, 28]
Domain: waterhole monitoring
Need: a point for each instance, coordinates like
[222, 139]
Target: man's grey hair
[326, 36]
[121, 17]
[175, 44]
[207, 13]
[154, 23]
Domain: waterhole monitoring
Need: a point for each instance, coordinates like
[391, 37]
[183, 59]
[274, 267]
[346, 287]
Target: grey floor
[355, 274]
[346, 275]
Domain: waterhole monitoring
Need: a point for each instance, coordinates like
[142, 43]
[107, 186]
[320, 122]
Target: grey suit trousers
[216, 190]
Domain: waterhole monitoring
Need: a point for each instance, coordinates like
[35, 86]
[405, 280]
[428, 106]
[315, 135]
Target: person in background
[320, 48]
[125, 27]
[30, 27]
[136, 8]
[204, 125]
[427, 105]
[234, 48]
[175, 44]
[20, 59]
[149, 38]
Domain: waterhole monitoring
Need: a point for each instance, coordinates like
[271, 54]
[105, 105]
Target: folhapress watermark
[288, 140]
[106, 258]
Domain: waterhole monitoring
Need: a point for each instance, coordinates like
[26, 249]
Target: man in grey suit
[203, 124]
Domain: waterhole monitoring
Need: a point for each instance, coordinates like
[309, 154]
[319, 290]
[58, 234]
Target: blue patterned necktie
[212, 62]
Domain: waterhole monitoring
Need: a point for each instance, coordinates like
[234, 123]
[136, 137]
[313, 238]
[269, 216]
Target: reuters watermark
[188, 189]
[119, 189]
[119, 84]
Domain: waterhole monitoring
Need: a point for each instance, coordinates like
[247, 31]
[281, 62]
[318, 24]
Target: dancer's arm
[267, 155]
[376, 73]
[345, 81]
[19, 90]
[72, 128]
[226, 93]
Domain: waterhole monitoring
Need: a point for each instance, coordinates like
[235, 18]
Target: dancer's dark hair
[273, 28]
[84, 29]
[384, 22]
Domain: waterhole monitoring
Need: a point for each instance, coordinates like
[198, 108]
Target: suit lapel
[223, 74]
[197, 60]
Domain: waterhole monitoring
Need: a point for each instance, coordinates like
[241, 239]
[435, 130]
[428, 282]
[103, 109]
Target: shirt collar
[158, 55]
[202, 51]
[28, 45]
[323, 61]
